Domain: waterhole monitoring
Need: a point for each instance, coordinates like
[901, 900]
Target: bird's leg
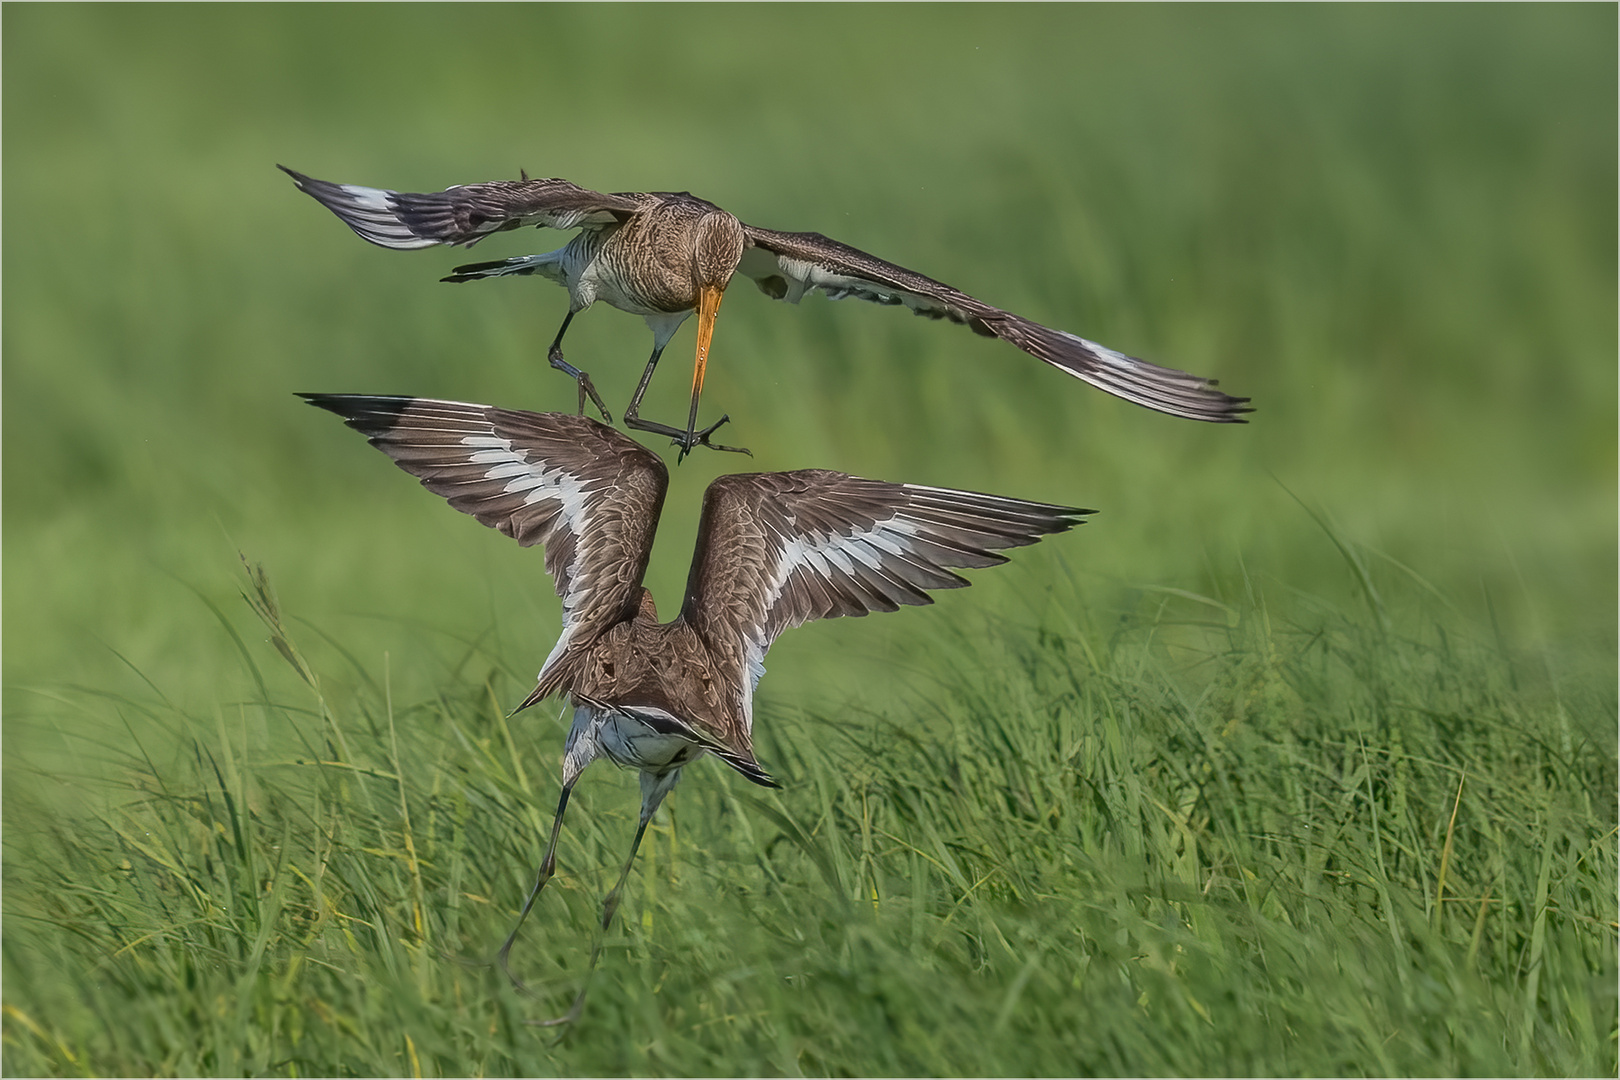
[632, 417]
[632, 413]
[555, 355]
[662, 329]
[548, 866]
[653, 790]
[701, 438]
[679, 437]
[698, 438]
[610, 903]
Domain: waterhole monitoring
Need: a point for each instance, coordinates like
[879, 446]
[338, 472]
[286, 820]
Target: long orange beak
[709, 297]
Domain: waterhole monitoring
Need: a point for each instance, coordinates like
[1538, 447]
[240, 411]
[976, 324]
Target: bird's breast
[646, 267]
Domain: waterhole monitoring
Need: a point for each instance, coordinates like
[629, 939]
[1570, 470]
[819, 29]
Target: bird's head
[718, 244]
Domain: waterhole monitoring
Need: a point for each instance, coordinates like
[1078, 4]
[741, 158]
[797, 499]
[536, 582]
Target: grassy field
[1300, 758]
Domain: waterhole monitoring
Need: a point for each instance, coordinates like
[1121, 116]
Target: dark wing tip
[1014, 513]
[537, 695]
[352, 406]
[341, 404]
[749, 768]
[320, 190]
[1163, 389]
[521, 266]
[1219, 407]
[372, 415]
[324, 401]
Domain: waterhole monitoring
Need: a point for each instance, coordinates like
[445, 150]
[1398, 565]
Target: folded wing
[591, 495]
[779, 549]
[463, 215]
[785, 265]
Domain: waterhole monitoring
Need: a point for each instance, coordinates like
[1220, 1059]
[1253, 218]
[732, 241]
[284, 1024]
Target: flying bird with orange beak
[665, 255]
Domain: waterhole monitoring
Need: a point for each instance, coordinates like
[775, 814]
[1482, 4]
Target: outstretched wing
[776, 550]
[785, 265]
[466, 214]
[591, 495]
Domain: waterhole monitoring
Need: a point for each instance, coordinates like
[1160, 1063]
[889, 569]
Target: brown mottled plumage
[774, 550]
[664, 255]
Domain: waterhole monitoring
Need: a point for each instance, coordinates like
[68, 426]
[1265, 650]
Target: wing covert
[786, 265]
[776, 550]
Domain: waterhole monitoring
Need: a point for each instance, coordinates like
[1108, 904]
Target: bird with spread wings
[774, 551]
[666, 255]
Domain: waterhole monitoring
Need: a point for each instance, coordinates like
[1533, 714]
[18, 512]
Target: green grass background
[1299, 759]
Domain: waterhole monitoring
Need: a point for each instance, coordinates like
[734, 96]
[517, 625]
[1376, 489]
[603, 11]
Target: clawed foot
[688, 440]
[610, 904]
[575, 1010]
[501, 962]
[570, 1017]
[583, 381]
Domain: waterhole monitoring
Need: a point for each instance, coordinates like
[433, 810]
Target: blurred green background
[1393, 227]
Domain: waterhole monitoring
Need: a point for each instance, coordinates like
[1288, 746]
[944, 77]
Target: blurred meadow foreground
[1299, 759]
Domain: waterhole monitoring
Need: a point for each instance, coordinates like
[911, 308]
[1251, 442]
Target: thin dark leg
[699, 438]
[632, 415]
[686, 439]
[548, 866]
[555, 355]
[610, 905]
